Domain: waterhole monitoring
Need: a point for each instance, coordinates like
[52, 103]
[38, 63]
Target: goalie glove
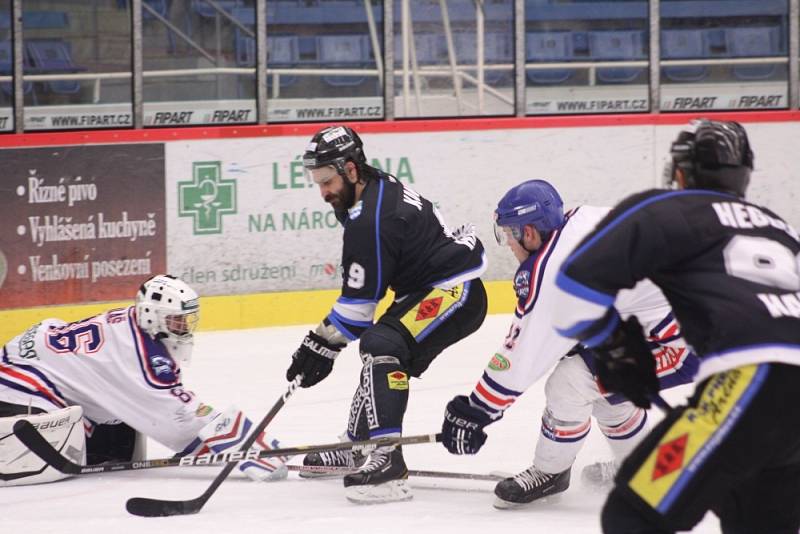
[625, 364]
[313, 359]
[462, 428]
[228, 431]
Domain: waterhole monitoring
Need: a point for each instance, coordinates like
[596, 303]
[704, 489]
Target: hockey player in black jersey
[729, 268]
[393, 238]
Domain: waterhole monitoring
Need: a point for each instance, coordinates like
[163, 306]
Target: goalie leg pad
[115, 443]
[62, 428]
[228, 431]
[380, 401]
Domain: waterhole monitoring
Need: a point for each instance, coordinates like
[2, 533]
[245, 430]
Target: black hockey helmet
[712, 155]
[334, 145]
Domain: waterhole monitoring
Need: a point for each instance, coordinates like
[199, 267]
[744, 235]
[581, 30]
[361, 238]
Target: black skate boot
[384, 478]
[528, 486]
[331, 464]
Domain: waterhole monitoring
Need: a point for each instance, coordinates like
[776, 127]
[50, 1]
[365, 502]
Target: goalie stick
[32, 439]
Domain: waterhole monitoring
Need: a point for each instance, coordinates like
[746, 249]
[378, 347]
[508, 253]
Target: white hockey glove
[227, 432]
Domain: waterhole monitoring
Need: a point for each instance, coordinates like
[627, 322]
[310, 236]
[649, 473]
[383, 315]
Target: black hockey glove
[625, 364]
[314, 359]
[462, 428]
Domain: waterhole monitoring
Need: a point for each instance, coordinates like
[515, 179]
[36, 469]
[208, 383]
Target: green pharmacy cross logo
[207, 197]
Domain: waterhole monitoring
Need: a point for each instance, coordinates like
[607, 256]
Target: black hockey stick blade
[145, 507]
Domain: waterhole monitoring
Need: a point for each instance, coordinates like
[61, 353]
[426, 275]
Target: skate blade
[502, 504]
[392, 491]
[325, 474]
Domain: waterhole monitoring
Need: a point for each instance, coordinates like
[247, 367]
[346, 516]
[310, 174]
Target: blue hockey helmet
[534, 202]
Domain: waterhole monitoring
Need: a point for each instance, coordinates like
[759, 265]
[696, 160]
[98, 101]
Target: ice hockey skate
[333, 459]
[383, 478]
[599, 474]
[528, 486]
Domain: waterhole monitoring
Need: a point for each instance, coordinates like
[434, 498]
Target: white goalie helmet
[168, 310]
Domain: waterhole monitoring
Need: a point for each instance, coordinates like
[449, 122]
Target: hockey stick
[323, 470]
[32, 439]
[145, 507]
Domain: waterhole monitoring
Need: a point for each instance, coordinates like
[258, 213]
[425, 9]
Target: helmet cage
[167, 307]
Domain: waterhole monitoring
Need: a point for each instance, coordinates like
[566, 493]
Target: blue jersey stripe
[340, 326]
[347, 300]
[343, 319]
[498, 388]
[633, 209]
[581, 291]
[379, 284]
[34, 371]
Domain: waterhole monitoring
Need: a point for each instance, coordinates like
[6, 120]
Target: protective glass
[505, 233]
[182, 325]
[321, 175]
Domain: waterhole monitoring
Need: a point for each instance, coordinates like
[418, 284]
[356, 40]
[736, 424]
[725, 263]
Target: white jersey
[112, 369]
[532, 346]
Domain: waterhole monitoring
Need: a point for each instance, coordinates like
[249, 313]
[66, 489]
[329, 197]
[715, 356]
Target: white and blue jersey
[533, 347]
[108, 366]
[729, 269]
[393, 237]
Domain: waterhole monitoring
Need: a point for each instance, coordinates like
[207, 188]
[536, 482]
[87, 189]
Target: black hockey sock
[381, 399]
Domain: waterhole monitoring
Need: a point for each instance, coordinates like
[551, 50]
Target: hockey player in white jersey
[531, 221]
[94, 388]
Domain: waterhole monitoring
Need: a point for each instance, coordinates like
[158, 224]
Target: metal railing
[409, 71]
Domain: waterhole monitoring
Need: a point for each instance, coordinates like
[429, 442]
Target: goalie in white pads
[531, 221]
[94, 388]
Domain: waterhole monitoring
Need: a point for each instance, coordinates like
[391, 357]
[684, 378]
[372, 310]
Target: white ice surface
[246, 368]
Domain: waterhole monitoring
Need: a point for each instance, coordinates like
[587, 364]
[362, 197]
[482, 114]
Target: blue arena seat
[431, 48]
[617, 45]
[755, 41]
[685, 44]
[543, 47]
[6, 69]
[282, 51]
[54, 56]
[343, 51]
[204, 9]
[498, 47]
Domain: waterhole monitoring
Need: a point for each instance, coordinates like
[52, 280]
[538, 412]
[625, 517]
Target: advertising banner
[559, 100]
[80, 224]
[242, 218]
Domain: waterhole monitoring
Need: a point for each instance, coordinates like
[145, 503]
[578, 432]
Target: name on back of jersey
[738, 215]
